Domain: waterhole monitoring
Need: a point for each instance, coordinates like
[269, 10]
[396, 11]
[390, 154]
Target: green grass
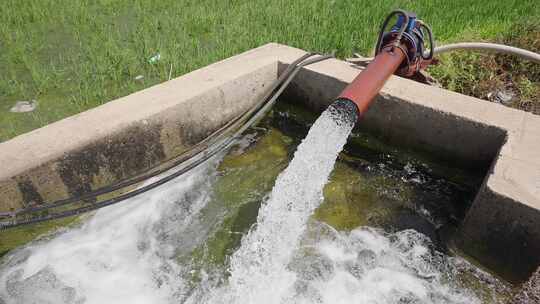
[72, 55]
[483, 74]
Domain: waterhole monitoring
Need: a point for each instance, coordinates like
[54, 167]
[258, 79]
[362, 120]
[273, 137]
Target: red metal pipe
[363, 89]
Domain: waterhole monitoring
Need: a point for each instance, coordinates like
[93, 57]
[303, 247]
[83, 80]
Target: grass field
[72, 55]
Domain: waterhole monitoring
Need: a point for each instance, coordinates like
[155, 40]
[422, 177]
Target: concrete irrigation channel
[129, 135]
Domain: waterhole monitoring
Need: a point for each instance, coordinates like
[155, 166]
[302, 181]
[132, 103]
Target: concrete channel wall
[129, 135]
[136, 132]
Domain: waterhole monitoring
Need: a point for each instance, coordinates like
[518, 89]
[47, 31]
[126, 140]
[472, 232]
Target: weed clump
[506, 79]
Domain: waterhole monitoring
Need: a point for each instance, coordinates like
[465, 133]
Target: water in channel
[255, 226]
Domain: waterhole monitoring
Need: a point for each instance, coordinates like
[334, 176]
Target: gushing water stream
[266, 251]
[128, 253]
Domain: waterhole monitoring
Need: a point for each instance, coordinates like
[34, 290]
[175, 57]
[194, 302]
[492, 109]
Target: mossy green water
[19, 236]
[249, 175]
[376, 188]
[345, 199]
[352, 199]
[372, 184]
[245, 178]
[368, 186]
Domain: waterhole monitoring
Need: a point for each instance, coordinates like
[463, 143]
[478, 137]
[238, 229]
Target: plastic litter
[155, 58]
[24, 106]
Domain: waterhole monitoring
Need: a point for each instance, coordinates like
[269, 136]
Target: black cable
[177, 160]
[385, 24]
[198, 158]
[431, 42]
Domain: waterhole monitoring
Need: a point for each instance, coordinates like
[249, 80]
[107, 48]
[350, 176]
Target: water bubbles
[377, 267]
[124, 254]
[141, 252]
[42, 287]
[412, 175]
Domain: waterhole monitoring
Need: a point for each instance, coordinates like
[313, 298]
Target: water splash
[123, 254]
[286, 258]
[129, 253]
[267, 249]
[368, 265]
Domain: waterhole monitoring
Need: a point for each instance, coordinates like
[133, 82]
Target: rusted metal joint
[399, 51]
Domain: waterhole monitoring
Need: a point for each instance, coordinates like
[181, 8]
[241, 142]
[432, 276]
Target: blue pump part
[412, 35]
[401, 19]
[407, 33]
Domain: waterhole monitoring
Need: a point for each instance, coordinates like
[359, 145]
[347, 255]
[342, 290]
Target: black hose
[250, 117]
[431, 42]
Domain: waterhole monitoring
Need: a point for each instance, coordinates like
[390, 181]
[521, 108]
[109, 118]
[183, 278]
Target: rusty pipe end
[365, 87]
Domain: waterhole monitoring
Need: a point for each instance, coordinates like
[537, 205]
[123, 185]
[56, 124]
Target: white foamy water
[123, 254]
[129, 253]
[369, 265]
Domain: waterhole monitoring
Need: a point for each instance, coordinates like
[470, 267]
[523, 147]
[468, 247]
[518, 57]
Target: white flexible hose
[472, 46]
[490, 47]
